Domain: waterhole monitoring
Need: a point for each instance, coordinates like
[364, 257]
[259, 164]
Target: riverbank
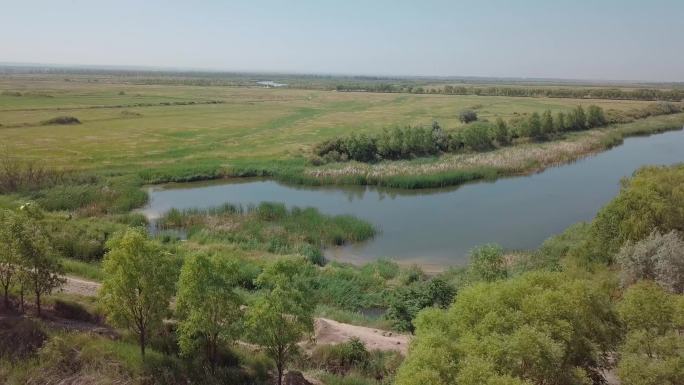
[440, 226]
[456, 169]
[434, 172]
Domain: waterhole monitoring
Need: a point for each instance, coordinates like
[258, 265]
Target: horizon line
[209, 70]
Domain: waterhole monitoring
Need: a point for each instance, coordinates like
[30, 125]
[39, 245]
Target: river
[438, 227]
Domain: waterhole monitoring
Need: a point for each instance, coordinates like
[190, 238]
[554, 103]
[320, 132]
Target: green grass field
[127, 126]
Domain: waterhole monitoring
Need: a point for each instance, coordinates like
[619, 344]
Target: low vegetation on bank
[458, 168]
[270, 227]
[415, 142]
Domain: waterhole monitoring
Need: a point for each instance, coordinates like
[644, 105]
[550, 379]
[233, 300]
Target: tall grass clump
[270, 227]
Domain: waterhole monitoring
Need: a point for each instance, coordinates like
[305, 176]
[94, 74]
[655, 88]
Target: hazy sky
[580, 39]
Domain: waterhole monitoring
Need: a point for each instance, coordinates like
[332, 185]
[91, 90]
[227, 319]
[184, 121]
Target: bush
[651, 200]
[467, 116]
[62, 120]
[487, 264]
[477, 137]
[406, 302]
[341, 358]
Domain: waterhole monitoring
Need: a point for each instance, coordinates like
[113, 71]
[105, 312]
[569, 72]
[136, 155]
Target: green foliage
[348, 287]
[207, 305]
[139, 283]
[81, 239]
[536, 328]
[341, 358]
[351, 359]
[10, 260]
[29, 247]
[487, 264]
[576, 120]
[93, 195]
[283, 315]
[559, 123]
[653, 351]
[406, 301]
[653, 199]
[500, 133]
[546, 123]
[88, 270]
[595, 117]
[270, 227]
[397, 143]
[477, 137]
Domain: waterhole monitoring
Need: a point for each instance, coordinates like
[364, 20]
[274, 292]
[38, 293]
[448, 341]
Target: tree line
[412, 142]
[654, 94]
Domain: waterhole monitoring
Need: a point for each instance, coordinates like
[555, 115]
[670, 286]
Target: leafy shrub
[62, 120]
[487, 264]
[477, 137]
[651, 200]
[405, 302]
[392, 144]
[467, 116]
[652, 351]
[341, 358]
[556, 325]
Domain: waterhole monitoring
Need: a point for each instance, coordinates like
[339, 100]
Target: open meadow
[127, 126]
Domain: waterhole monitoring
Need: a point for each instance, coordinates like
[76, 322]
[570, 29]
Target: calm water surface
[438, 227]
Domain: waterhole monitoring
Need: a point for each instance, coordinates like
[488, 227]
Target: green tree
[559, 124]
[476, 136]
[501, 134]
[577, 119]
[651, 200]
[9, 260]
[595, 117]
[537, 328]
[405, 302]
[534, 126]
[283, 315]
[546, 123]
[139, 283]
[653, 351]
[208, 305]
[40, 268]
[487, 264]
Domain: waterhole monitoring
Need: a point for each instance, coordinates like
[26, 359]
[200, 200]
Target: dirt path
[327, 331]
[81, 287]
[332, 332]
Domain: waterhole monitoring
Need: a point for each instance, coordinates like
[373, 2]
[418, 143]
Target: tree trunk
[7, 304]
[142, 343]
[280, 374]
[21, 298]
[38, 302]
